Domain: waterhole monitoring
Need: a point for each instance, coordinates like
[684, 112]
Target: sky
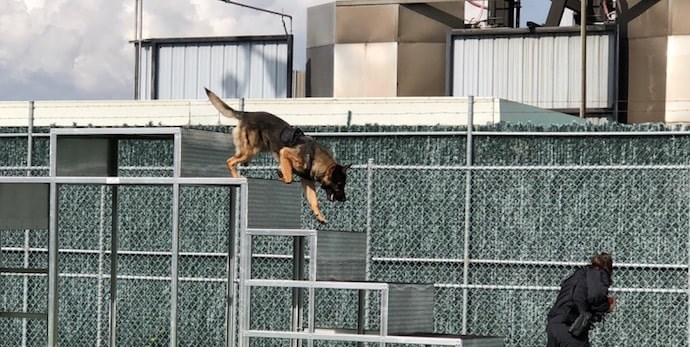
[81, 49]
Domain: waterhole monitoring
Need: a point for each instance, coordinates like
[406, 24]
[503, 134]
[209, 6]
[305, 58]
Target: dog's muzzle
[335, 196]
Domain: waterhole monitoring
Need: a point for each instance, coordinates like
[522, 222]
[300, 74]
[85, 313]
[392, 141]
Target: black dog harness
[293, 136]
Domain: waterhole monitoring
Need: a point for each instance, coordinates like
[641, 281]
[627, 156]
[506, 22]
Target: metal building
[538, 67]
[379, 47]
[234, 67]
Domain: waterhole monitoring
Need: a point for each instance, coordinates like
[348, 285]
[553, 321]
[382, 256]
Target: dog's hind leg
[238, 158]
[232, 166]
[286, 157]
[310, 194]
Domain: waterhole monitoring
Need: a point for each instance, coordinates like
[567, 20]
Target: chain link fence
[495, 237]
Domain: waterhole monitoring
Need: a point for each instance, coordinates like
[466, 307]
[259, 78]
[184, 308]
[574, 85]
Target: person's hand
[612, 303]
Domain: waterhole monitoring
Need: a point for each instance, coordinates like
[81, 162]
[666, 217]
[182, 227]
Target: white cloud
[80, 49]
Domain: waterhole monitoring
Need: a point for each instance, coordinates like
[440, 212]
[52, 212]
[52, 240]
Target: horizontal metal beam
[21, 270]
[317, 284]
[24, 315]
[444, 340]
[281, 232]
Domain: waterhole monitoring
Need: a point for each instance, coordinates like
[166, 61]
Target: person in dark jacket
[586, 290]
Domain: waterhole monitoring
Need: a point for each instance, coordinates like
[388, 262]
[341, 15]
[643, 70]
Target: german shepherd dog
[297, 153]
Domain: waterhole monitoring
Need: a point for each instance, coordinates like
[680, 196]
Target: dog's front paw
[285, 179]
[321, 219]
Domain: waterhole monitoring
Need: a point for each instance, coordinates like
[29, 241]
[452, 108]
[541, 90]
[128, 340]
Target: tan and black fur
[258, 132]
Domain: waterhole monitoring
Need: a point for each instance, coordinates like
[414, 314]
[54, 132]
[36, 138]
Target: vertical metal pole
[312, 295]
[370, 176]
[25, 298]
[687, 194]
[384, 314]
[583, 48]
[363, 303]
[53, 248]
[27, 232]
[101, 256]
[231, 318]
[297, 274]
[52, 263]
[468, 210]
[174, 261]
[174, 275]
[113, 269]
[361, 312]
[245, 268]
[114, 240]
[138, 25]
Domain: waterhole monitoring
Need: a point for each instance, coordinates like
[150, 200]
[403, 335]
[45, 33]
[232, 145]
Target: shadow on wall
[244, 83]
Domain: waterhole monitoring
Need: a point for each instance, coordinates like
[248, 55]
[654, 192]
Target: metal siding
[560, 76]
[164, 78]
[530, 54]
[242, 73]
[466, 75]
[456, 66]
[542, 71]
[177, 67]
[485, 84]
[547, 73]
[257, 72]
[574, 73]
[217, 69]
[145, 73]
[191, 72]
[251, 69]
[231, 63]
[516, 69]
[501, 60]
[280, 77]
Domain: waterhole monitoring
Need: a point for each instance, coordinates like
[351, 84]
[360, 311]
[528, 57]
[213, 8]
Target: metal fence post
[370, 175]
[468, 210]
[174, 261]
[112, 320]
[53, 247]
[362, 299]
[27, 232]
[174, 265]
[687, 187]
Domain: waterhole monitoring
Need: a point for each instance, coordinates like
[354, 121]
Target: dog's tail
[222, 107]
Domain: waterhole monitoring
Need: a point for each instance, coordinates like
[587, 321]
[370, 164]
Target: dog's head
[334, 183]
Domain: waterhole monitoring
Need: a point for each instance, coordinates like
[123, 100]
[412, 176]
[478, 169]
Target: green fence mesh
[539, 204]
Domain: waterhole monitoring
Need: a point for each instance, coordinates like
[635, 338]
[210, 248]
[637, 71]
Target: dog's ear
[345, 167]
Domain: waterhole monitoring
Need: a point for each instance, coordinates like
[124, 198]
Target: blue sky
[80, 50]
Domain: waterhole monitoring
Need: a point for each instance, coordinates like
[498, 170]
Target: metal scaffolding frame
[176, 181]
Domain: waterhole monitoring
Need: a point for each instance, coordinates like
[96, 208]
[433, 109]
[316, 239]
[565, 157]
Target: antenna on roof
[282, 15]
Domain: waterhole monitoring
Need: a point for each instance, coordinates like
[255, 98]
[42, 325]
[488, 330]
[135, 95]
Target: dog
[296, 153]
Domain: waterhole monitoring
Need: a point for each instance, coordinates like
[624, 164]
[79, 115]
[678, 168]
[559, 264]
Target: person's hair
[603, 261]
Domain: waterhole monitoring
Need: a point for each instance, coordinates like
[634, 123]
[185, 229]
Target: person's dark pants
[558, 336]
